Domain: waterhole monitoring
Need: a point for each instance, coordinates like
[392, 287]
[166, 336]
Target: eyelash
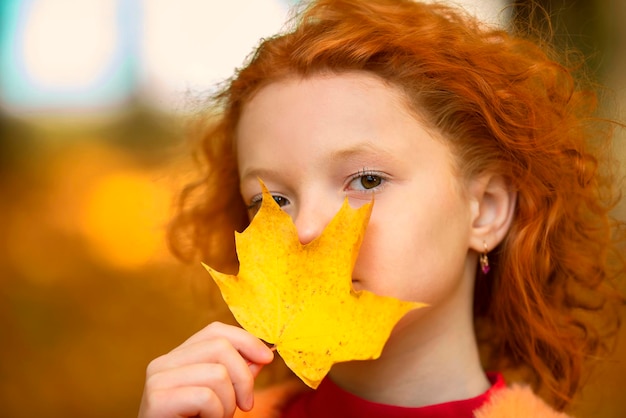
[365, 173]
[255, 202]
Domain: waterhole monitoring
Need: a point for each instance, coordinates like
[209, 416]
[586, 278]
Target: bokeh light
[62, 54]
[123, 217]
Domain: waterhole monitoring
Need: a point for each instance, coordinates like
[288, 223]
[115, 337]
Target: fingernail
[250, 401]
[270, 354]
[255, 368]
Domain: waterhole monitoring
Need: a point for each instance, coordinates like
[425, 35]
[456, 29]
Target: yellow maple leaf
[300, 297]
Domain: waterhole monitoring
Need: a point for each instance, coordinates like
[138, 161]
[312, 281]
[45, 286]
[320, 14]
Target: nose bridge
[312, 216]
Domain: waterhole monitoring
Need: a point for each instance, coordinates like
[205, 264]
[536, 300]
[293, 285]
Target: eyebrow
[361, 150]
[258, 173]
[353, 153]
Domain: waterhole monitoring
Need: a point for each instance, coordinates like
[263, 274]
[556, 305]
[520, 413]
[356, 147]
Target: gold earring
[484, 261]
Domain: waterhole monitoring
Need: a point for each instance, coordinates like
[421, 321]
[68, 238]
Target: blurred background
[92, 151]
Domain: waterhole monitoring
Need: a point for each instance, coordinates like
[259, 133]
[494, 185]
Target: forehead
[328, 117]
[318, 109]
[330, 85]
[322, 102]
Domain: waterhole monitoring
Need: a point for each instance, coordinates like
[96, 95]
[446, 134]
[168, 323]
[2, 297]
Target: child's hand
[207, 376]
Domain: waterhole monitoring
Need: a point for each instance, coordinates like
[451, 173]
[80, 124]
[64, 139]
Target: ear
[493, 203]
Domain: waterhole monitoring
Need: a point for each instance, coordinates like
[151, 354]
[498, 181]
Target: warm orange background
[88, 291]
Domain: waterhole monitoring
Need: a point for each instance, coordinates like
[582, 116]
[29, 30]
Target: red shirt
[330, 401]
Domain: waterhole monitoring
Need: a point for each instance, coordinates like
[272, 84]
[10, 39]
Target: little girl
[492, 202]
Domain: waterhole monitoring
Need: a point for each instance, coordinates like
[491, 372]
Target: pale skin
[313, 142]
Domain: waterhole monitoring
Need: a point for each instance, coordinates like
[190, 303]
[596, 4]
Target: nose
[311, 219]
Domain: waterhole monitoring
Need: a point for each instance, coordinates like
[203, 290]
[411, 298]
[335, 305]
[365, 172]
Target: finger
[252, 348]
[212, 376]
[241, 377]
[255, 369]
[203, 349]
[187, 401]
[218, 351]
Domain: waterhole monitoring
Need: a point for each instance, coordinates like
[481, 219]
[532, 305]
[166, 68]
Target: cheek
[390, 259]
[414, 255]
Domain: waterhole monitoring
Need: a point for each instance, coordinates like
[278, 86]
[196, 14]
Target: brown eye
[280, 200]
[366, 181]
[370, 181]
[255, 204]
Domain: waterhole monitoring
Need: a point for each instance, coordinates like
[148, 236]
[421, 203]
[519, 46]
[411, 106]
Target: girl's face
[315, 141]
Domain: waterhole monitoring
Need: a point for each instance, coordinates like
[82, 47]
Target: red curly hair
[506, 107]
